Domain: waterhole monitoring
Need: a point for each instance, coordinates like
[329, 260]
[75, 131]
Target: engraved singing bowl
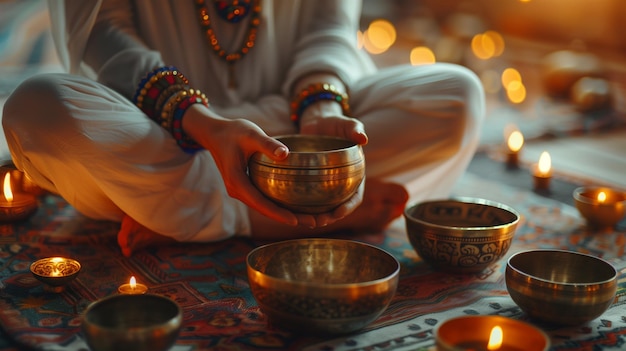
[322, 286]
[561, 287]
[319, 174]
[597, 214]
[55, 272]
[132, 322]
[461, 235]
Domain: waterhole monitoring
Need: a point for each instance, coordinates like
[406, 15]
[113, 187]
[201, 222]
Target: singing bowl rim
[409, 214]
[293, 159]
[174, 322]
[563, 285]
[277, 281]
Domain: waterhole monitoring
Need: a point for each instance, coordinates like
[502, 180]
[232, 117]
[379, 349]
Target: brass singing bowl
[319, 174]
[132, 322]
[561, 287]
[55, 272]
[322, 286]
[461, 235]
[601, 215]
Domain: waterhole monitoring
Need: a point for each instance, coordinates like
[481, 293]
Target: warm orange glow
[515, 141]
[516, 92]
[8, 194]
[422, 55]
[509, 76]
[545, 163]
[497, 40]
[483, 46]
[379, 36]
[495, 338]
[602, 197]
[133, 282]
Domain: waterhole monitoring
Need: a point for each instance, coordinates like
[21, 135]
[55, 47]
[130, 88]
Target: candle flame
[545, 163]
[602, 196]
[515, 141]
[495, 338]
[8, 194]
[133, 282]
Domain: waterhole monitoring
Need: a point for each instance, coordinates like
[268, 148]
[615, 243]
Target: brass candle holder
[602, 207]
[55, 272]
[18, 201]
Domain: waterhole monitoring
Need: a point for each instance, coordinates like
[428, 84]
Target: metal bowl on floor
[319, 174]
[461, 235]
[561, 287]
[322, 286]
[132, 322]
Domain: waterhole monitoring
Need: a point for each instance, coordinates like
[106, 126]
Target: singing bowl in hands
[322, 286]
[319, 174]
[561, 287]
[461, 235]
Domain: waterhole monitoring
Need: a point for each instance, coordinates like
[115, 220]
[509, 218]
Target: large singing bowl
[561, 287]
[322, 286]
[461, 235]
[319, 174]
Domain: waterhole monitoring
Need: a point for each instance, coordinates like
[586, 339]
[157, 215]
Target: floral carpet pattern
[210, 283]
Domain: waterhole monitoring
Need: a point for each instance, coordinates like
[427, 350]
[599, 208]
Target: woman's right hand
[232, 143]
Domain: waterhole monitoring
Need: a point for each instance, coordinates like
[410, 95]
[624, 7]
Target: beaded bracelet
[316, 92]
[172, 116]
[152, 87]
[164, 95]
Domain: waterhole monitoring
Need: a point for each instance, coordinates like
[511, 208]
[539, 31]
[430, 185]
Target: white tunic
[91, 145]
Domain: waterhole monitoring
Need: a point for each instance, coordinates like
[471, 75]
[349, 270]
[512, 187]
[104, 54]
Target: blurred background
[552, 69]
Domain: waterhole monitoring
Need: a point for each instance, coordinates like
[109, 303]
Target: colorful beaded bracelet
[164, 95]
[317, 92]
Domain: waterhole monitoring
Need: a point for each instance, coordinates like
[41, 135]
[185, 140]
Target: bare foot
[134, 236]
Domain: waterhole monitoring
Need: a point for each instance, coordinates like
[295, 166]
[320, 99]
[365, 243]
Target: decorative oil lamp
[602, 207]
[55, 272]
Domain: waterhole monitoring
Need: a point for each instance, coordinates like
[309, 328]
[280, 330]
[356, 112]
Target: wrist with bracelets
[314, 93]
[164, 95]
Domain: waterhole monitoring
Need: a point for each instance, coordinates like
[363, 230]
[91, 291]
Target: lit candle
[489, 333]
[602, 207]
[15, 206]
[55, 272]
[542, 172]
[133, 288]
[514, 143]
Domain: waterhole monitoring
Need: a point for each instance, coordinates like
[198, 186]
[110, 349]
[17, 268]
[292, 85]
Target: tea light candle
[601, 206]
[542, 172]
[15, 206]
[132, 288]
[488, 333]
[514, 143]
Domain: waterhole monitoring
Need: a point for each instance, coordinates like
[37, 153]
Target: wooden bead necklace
[230, 58]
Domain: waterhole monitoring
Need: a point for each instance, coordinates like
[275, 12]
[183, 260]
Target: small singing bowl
[132, 322]
[600, 212]
[322, 286]
[561, 287]
[319, 174]
[55, 272]
[461, 235]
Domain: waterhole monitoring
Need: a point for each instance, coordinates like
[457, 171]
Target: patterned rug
[210, 283]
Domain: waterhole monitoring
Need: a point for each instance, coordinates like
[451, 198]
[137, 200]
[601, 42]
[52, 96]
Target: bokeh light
[422, 55]
[379, 36]
[516, 92]
[510, 75]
